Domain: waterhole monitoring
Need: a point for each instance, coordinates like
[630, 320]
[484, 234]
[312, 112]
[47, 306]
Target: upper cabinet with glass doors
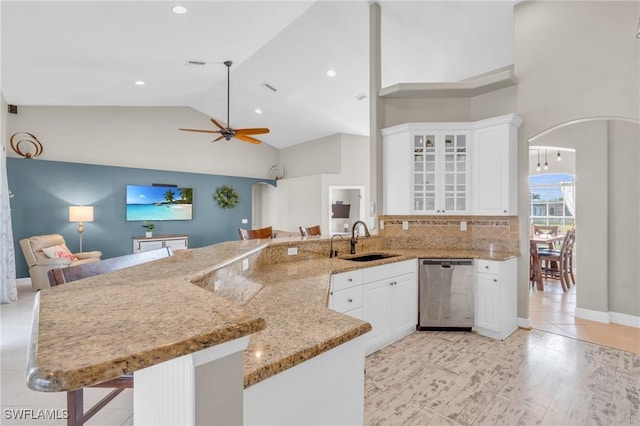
[440, 172]
[453, 168]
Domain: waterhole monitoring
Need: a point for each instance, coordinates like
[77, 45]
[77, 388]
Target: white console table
[176, 242]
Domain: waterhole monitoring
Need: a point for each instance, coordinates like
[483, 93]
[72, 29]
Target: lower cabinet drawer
[347, 300]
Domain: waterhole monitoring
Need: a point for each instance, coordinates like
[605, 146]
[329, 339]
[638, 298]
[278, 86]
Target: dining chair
[253, 234]
[535, 269]
[58, 276]
[558, 264]
[311, 230]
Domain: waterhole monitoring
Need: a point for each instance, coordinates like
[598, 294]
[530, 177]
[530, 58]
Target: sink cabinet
[386, 296]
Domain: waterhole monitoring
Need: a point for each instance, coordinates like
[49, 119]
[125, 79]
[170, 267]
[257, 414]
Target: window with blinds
[552, 200]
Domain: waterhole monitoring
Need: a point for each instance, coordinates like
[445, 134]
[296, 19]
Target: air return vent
[270, 87]
[193, 63]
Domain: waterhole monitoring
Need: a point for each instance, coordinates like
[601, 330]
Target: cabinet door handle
[349, 279]
[495, 280]
[349, 300]
[486, 266]
[393, 283]
[331, 293]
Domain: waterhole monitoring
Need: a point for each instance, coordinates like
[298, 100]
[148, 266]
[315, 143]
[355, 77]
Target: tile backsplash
[499, 233]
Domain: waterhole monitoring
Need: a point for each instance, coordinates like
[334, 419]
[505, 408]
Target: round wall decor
[28, 138]
[226, 196]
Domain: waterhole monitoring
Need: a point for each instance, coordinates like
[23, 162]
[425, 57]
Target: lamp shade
[80, 213]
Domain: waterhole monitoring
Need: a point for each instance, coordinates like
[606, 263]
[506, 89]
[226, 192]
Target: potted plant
[149, 227]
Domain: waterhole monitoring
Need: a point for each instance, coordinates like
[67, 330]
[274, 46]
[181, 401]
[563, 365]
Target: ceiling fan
[229, 132]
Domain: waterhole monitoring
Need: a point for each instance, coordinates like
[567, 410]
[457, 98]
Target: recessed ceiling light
[179, 9]
[258, 111]
[331, 73]
[139, 83]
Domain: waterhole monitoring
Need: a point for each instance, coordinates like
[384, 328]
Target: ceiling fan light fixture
[258, 111]
[139, 83]
[331, 73]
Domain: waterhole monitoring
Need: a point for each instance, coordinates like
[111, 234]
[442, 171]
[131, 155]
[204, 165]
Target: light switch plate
[405, 225]
[245, 220]
[245, 264]
[292, 250]
[382, 224]
[463, 225]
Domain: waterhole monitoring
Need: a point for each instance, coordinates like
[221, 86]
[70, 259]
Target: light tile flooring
[553, 310]
[436, 378]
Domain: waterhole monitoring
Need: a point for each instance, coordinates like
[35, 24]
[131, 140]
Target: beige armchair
[40, 263]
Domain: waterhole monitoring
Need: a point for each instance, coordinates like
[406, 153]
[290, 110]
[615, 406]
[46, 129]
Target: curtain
[8, 290]
[569, 196]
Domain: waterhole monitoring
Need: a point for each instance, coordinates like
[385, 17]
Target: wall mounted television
[152, 203]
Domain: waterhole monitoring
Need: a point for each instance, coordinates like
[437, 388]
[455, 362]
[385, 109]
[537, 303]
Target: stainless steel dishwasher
[446, 294]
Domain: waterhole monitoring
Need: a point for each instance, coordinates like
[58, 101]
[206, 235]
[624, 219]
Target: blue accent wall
[43, 191]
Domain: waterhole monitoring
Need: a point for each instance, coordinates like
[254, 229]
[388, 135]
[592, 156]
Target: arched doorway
[608, 216]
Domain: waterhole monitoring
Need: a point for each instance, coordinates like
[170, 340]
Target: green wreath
[226, 196]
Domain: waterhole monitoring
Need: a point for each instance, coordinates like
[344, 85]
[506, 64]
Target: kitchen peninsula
[143, 316]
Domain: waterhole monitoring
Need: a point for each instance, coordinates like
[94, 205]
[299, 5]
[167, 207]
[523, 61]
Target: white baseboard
[592, 315]
[624, 319]
[524, 322]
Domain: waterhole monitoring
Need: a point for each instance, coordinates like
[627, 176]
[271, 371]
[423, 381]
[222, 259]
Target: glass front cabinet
[455, 168]
[440, 172]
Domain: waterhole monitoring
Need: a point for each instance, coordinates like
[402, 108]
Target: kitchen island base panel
[205, 387]
[327, 389]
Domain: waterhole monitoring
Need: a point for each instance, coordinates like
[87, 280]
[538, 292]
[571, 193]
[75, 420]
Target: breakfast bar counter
[111, 324]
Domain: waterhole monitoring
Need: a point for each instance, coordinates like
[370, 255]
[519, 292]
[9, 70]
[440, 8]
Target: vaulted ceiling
[92, 53]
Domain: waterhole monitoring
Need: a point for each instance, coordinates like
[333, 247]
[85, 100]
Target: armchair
[35, 253]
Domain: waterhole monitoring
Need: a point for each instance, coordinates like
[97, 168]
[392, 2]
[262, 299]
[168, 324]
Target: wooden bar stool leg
[75, 408]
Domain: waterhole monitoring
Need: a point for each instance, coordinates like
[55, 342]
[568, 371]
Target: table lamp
[80, 214]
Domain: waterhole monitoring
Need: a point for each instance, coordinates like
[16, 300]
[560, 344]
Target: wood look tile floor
[533, 377]
[553, 310]
[427, 378]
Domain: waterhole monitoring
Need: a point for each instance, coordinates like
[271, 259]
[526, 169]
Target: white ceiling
[92, 52]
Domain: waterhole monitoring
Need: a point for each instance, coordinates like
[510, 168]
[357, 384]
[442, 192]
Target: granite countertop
[104, 326]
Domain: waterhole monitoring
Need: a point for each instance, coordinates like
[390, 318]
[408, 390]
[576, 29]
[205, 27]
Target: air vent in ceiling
[270, 87]
[195, 63]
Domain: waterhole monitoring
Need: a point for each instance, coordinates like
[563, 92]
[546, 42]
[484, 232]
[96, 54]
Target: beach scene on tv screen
[159, 203]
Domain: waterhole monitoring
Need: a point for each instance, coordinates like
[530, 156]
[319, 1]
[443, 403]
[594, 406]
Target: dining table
[534, 240]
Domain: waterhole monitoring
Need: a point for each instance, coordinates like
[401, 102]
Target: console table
[176, 242]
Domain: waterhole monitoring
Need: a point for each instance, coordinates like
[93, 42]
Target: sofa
[45, 252]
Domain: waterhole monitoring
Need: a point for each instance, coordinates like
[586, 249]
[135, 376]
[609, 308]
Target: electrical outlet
[463, 225]
[292, 251]
[382, 224]
[405, 225]
[245, 264]
[245, 220]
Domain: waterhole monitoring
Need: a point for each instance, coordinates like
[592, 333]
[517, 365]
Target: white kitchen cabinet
[496, 298]
[176, 242]
[495, 166]
[426, 169]
[390, 302]
[386, 296]
[451, 168]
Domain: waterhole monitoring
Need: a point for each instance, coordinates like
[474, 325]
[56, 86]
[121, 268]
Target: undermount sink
[370, 257]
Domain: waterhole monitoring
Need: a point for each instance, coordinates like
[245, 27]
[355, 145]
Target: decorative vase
[148, 234]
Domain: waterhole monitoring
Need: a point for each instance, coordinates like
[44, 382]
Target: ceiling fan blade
[217, 123]
[200, 130]
[218, 138]
[257, 131]
[247, 139]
